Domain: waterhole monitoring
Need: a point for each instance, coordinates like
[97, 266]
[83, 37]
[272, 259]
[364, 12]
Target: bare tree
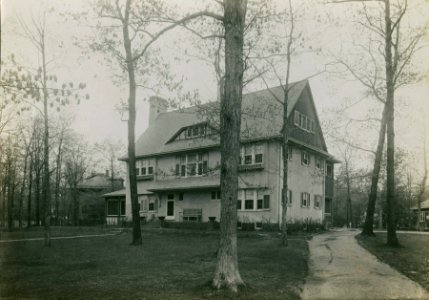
[390, 54]
[227, 274]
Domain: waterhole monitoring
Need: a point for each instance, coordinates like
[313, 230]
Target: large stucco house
[178, 160]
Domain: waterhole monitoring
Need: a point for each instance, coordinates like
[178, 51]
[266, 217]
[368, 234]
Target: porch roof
[119, 193]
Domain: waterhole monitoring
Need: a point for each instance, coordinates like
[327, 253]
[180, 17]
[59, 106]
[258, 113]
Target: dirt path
[341, 269]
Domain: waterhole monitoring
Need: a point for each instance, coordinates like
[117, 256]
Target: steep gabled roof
[261, 118]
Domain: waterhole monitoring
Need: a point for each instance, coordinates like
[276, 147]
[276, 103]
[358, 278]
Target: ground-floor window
[148, 203]
[305, 199]
[254, 199]
[317, 201]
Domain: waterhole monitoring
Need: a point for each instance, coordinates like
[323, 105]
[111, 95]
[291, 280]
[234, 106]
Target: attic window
[304, 122]
[195, 131]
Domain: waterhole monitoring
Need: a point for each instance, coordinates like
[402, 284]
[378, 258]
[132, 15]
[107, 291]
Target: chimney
[157, 105]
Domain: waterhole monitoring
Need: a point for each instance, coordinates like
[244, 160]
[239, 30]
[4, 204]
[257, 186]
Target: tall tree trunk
[21, 196]
[422, 185]
[392, 239]
[30, 185]
[37, 191]
[57, 181]
[137, 236]
[227, 274]
[46, 173]
[285, 131]
[9, 194]
[368, 227]
[349, 217]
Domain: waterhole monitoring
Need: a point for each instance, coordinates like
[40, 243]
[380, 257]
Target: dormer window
[195, 131]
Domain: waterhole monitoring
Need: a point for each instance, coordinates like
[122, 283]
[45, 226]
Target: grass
[411, 258]
[37, 232]
[170, 265]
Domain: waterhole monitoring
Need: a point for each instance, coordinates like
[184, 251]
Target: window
[180, 196]
[319, 163]
[192, 164]
[263, 201]
[170, 196]
[252, 154]
[194, 131]
[151, 206]
[305, 158]
[329, 170]
[289, 153]
[137, 171]
[304, 122]
[423, 216]
[305, 199]
[248, 200]
[145, 166]
[239, 200]
[317, 201]
[216, 195]
[148, 203]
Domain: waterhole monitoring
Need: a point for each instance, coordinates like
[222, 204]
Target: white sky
[97, 118]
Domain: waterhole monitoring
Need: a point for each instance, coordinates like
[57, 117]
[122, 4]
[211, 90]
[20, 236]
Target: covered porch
[115, 207]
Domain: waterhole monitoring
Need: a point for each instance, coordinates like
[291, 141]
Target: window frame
[305, 197]
[305, 162]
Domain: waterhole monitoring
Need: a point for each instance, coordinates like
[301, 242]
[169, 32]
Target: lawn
[170, 265]
[411, 258]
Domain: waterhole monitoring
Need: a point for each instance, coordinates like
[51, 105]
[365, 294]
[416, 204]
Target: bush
[190, 225]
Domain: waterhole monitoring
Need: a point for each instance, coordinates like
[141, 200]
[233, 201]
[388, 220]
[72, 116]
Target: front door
[170, 209]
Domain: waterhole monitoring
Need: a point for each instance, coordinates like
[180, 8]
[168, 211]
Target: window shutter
[177, 170]
[308, 199]
[146, 205]
[302, 199]
[266, 201]
[296, 121]
[183, 171]
[156, 204]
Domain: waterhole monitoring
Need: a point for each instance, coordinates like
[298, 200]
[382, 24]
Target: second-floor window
[145, 167]
[305, 158]
[191, 164]
[251, 154]
[319, 163]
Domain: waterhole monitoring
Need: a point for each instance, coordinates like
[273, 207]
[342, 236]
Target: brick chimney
[157, 105]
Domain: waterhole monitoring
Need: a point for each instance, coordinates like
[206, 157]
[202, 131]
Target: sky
[329, 27]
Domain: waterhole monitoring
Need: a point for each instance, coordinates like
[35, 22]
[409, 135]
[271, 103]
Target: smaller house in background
[423, 218]
[115, 207]
[91, 191]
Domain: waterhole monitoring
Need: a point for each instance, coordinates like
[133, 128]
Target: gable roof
[262, 118]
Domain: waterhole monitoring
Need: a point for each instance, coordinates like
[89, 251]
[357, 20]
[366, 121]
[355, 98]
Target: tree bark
[227, 273]
[21, 199]
[137, 236]
[368, 227]
[392, 239]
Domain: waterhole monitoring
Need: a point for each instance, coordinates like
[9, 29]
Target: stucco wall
[301, 179]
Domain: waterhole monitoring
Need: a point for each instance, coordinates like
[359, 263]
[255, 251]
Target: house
[91, 189]
[423, 218]
[178, 158]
